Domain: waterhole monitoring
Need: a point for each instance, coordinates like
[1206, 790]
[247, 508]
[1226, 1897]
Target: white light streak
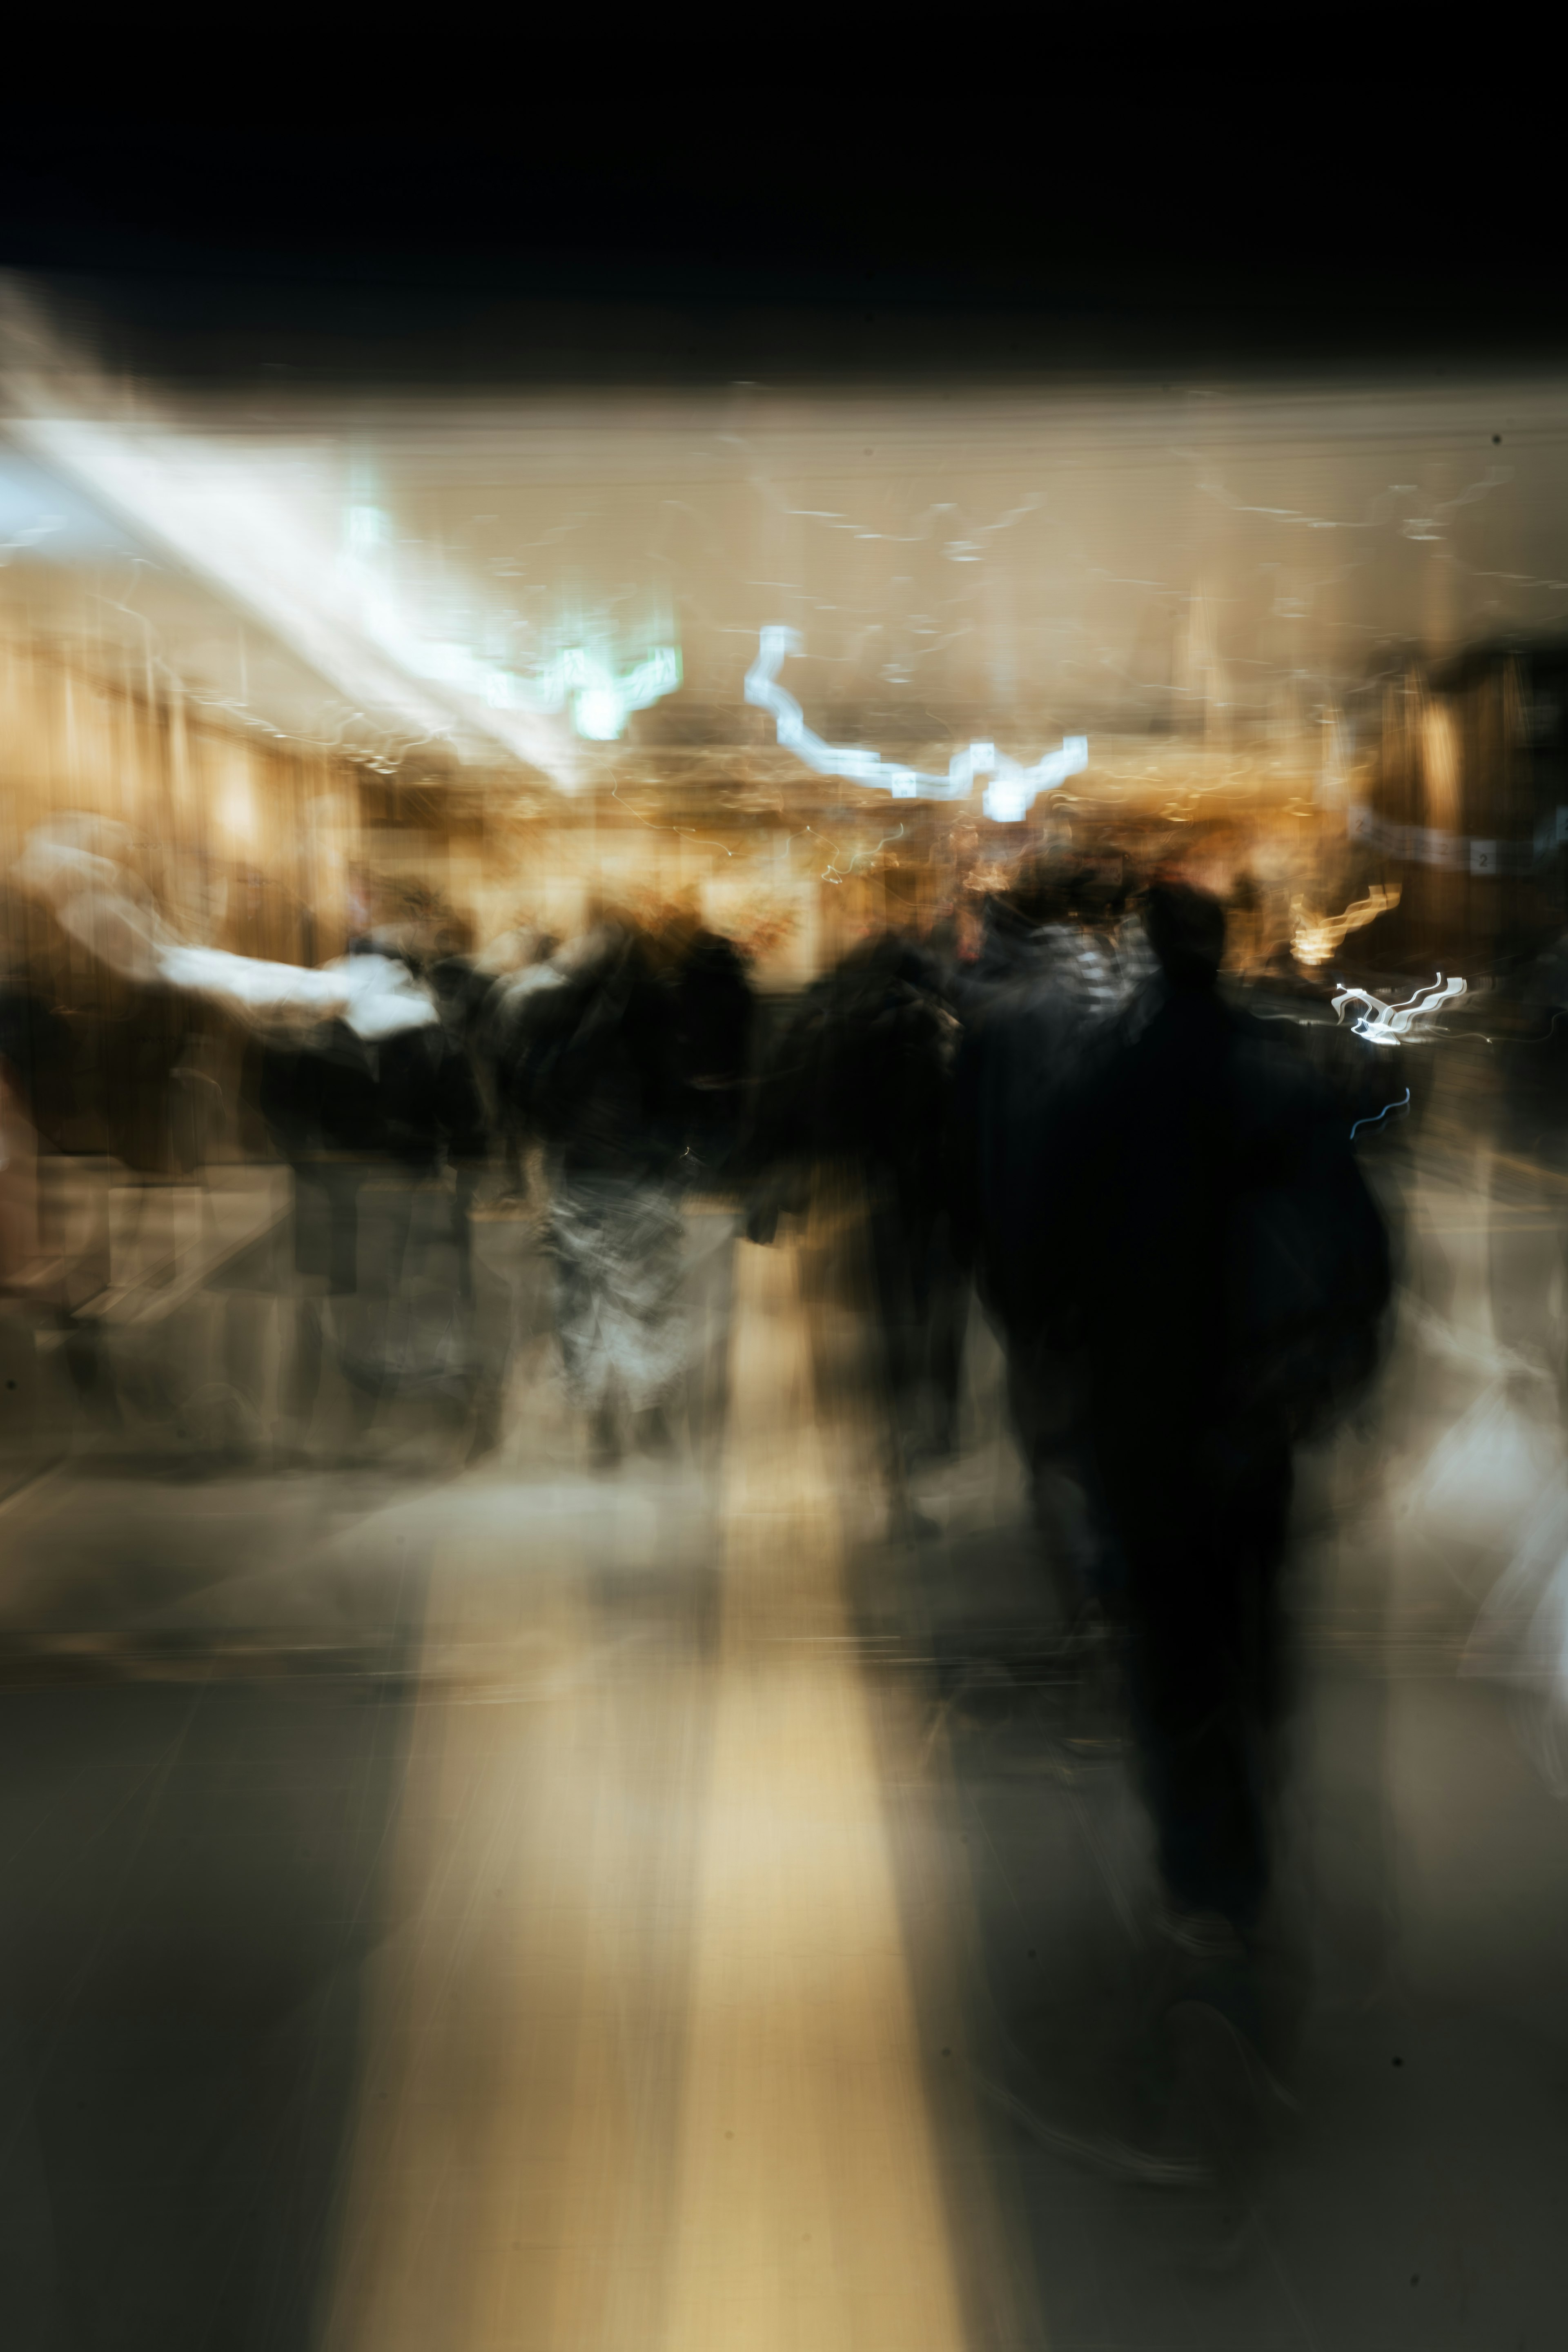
[376, 996]
[600, 702]
[1008, 798]
[233, 525]
[1392, 1024]
[1374, 1118]
[208, 512]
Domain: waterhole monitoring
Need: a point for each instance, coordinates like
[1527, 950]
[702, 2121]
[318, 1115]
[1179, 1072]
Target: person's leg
[300, 1374]
[607, 1438]
[338, 1188]
[515, 1186]
[463, 1186]
[651, 1322]
[1200, 2023]
[1199, 1762]
[891, 1244]
[1205, 1688]
[949, 1322]
[893, 1293]
[1042, 1400]
[1209, 1688]
[360, 1286]
[246, 1318]
[578, 1243]
[315, 1251]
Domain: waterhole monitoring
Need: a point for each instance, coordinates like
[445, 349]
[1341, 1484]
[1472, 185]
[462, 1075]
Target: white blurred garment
[1520, 1637]
[617, 1247]
[375, 995]
[1485, 1480]
[100, 905]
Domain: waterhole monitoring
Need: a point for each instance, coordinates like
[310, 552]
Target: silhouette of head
[1041, 891]
[1186, 931]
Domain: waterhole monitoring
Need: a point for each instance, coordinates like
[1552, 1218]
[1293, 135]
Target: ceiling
[1167, 570]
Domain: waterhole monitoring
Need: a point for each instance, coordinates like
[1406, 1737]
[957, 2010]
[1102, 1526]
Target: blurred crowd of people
[1078, 1122]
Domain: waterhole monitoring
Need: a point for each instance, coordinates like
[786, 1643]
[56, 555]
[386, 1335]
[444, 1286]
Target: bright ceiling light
[273, 554]
[1007, 801]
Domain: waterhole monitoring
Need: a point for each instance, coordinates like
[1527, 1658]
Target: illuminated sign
[1008, 798]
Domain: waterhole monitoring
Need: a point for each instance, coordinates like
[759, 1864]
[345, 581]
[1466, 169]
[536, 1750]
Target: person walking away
[594, 1078]
[860, 1084]
[1038, 990]
[1226, 1280]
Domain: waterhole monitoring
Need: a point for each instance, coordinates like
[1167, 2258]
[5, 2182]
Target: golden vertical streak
[642, 2066]
[808, 2214]
[489, 2174]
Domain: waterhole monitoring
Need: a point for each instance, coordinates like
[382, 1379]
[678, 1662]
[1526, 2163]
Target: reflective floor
[454, 1899]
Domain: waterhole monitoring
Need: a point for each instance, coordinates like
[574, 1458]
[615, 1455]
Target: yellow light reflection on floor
[643, 2069]
[809, 2213]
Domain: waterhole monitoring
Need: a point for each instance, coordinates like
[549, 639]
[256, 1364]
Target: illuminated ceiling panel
[581, 588]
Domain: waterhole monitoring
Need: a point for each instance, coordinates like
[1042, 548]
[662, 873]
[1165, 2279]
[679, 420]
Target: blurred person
[591, 1073]
[461, 989]
[859, 1082]
[372, 1086]
[714, 1025]
[499, 1033]
[1222, 1267]
[1060, 954]
[1027, 1006]
[134, 1028]
[97, 1049]
[350, 1115]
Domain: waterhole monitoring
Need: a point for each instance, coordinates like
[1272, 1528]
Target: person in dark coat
[1222, 1266]
[714, 1022]
[348, 1114]
[1027, 1014]
[500, 1026]
[860, 1081]
[1044, 979]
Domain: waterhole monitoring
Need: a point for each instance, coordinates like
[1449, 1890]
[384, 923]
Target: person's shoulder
[1284, 1103]
[1270, 1052]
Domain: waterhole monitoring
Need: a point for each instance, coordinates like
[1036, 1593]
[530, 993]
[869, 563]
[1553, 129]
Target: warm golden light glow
[1316, 939]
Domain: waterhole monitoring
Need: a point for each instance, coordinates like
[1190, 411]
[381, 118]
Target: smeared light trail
[376, 996]
[600, 702]
[1377, 1115]
[1391, 1024]
[1318, 938]
[1008, 798]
